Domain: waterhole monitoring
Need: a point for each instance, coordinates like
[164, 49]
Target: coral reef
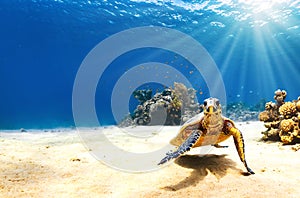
[188, 97]
[163, 108]
[288, 110]
[142, 95]
[282, 119]
[240, 112]
[172, 106]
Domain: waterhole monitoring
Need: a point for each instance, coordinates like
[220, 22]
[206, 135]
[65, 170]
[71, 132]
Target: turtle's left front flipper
[186, 146]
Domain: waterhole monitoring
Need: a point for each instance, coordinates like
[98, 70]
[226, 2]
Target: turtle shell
[215, 135]
[192, 123]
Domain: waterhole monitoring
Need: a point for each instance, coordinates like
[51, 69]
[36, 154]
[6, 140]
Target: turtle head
[211, 106]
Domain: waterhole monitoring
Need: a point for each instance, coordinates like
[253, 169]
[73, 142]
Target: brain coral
[287, 125]
[288, 109]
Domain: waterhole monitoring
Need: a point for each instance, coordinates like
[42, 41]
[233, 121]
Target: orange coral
[287, 125]
[282, 119]
[286, 139]
[264, 116]
[288, 109]
[289, 130]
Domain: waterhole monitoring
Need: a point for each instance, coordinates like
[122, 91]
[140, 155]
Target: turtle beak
[210, 109]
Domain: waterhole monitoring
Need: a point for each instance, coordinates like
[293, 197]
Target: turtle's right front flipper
[186, 146]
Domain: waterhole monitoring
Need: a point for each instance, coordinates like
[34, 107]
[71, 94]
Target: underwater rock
[281, 119]
[23, 130]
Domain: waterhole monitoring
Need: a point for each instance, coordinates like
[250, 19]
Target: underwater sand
[56, 164]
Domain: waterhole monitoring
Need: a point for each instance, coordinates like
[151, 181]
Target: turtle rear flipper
[184, 147]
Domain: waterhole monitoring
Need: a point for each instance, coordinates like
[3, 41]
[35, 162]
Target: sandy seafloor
[57, 164]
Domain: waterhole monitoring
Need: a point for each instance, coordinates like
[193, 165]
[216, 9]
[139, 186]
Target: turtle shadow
[218, 165]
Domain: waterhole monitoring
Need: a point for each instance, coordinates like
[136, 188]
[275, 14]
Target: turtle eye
[217, 102]
[205, 103]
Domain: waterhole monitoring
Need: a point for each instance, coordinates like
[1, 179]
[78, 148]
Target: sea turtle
[207, 128]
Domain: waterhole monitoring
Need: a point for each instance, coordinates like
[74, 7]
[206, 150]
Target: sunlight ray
[287, 57]
[264, 66]
[227, 50]
[244, 71]
[227, 47]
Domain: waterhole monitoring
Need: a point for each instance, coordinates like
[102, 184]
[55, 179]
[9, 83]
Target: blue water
[255, 45]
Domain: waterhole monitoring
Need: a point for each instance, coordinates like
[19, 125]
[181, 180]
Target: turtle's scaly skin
[207, 128]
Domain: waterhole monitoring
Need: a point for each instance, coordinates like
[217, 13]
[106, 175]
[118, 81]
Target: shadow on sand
[218, 165]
